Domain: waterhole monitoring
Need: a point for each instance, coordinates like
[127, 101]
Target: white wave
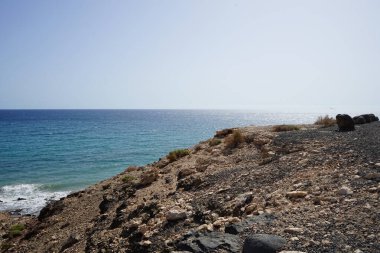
[34, 198]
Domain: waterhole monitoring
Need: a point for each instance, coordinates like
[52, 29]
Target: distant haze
[280, 55]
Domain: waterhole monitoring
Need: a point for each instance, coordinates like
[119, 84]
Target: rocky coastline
[303, 188]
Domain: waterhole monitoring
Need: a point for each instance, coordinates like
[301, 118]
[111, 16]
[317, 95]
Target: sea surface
[45, 154]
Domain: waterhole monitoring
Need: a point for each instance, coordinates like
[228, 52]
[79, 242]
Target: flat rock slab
[210, 242]
[263, 243]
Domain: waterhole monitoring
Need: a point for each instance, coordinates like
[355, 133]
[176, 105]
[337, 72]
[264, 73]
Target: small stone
[373, 189]
[202, 228]
[345, 190]
[145, 243]
[71, 240]
[233, 219]
[296, 194]
[217, 223]
[249, 209]
[372, 176]
[176, 214]
[233, 229]
[358, 251]
[168, 242]
[135, 222]
[214, 216]
[371, 236]
[325, 242]
[292, 230]
[291, 251]
[377, 165]
[295, 238]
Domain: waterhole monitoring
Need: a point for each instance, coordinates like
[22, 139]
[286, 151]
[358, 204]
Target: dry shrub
[128, 178]
[197, 147]
[214, 142]
[285, 128]
[234, 140]
[325, 121]
[176, 154]
[132, 168]
[149, 177]
[223, 133]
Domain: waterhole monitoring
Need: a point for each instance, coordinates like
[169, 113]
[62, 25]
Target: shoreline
[289, 184]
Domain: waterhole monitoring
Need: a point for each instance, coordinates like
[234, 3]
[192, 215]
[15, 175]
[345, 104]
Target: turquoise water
[44, 154]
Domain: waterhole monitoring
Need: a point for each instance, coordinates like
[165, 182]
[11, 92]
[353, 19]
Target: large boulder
[370, 117]
[358, 120]
[365, 118]
[345, 122]
[263, 243]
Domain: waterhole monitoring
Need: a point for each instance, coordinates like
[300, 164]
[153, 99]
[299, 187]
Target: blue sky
[189, 54]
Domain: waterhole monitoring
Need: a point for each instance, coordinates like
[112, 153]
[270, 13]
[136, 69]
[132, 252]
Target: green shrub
[128, 178]
[16, 230]
[325, 121]
[233, 140]
[214, 142]
[284, 128]
[5, 246]
[176, 154]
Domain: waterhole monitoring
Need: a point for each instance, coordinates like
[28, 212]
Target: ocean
[46, 154]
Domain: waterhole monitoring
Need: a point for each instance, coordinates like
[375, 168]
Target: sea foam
[27, 198]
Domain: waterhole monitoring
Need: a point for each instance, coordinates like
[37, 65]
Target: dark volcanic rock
[239, 227]
[345, 122]
[189, 183]
[106, 203]
[365, 118]
[210, 242]
[73, 239]
[19, 199]
[263, 243]
[368, 117]
[358, 120]
[234, 229]
[52, 208]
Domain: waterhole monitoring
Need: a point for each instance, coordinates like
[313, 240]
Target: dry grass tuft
[325, 121]
[234, 140]
[285, 128]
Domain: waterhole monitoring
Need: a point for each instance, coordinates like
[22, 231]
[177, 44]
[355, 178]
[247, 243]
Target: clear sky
[189, 54]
